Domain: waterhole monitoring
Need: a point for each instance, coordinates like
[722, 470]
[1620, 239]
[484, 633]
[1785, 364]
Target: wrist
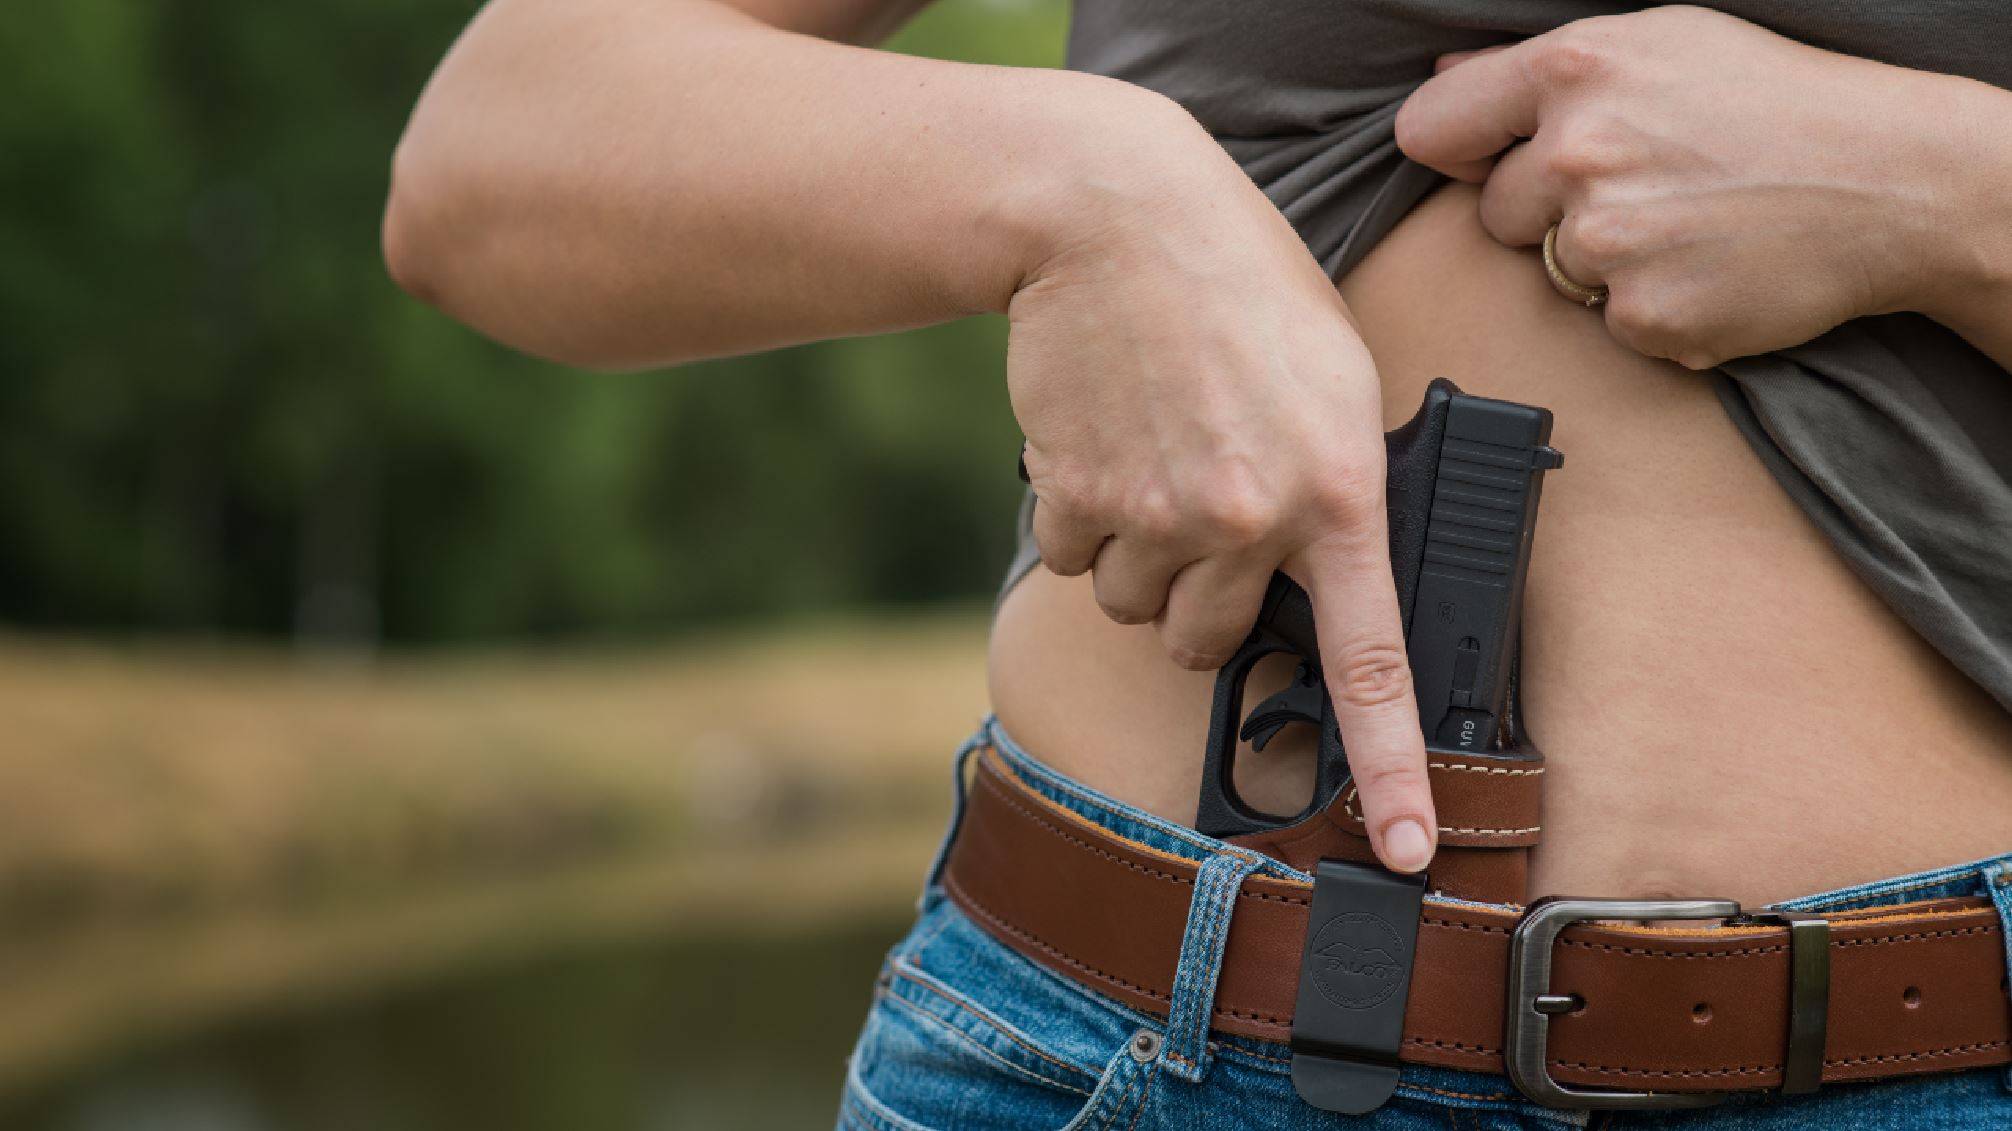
[1115, 161]
[1964, 273]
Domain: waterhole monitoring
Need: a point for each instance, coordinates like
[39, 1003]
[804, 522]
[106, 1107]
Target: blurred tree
[218, 416]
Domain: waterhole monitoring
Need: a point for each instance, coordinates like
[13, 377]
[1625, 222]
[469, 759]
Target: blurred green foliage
[217, 415]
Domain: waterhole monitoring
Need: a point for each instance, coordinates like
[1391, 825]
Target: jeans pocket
[915, 1074]
[963, 1033]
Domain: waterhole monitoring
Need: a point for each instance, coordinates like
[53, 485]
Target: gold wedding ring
[1566, 285]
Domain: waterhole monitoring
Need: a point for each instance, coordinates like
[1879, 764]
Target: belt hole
[1701, 1013]
[1911, 997]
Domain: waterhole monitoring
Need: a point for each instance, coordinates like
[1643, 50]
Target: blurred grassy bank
[194, 835]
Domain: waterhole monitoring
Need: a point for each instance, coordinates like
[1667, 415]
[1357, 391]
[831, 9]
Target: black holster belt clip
[1354, 980]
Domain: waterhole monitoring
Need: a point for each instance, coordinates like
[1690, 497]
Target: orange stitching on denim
[922, 944]
[916, 976]
[1125, 1097]
[1145, 1098]
[861, 1114]
[968, 1039]
[872, 1111]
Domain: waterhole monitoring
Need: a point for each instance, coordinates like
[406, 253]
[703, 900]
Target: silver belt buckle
[1532, 1004]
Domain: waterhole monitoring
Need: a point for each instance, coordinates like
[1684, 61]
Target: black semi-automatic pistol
[1463, 484]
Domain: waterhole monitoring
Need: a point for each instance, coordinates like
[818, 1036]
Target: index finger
[1462, 117]
[1369, 680]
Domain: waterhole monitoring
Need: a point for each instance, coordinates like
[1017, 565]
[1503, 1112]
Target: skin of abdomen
[1725, 708]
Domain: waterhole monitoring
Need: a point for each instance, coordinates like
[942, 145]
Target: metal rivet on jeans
[1145, 1046]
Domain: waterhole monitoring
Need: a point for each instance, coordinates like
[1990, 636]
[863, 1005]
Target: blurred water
[733, 1032]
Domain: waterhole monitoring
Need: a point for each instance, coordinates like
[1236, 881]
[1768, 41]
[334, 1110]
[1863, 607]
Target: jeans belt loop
[1808, 995]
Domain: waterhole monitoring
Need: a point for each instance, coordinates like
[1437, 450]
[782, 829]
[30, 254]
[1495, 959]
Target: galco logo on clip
[1358, 960]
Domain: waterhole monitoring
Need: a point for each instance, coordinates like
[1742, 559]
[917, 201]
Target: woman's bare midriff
[1726, 709]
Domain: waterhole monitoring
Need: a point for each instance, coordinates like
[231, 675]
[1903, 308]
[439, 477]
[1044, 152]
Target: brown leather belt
[1912, 989]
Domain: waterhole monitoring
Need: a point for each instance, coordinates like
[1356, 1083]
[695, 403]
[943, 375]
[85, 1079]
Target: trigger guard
[1220, 811]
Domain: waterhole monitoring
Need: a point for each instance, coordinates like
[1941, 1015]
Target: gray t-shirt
[1892, 433]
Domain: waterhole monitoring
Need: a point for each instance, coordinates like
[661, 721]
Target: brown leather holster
[1490, 811]
[1663, 1008]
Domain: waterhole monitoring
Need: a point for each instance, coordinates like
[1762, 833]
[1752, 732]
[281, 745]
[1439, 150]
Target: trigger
[1300, 702]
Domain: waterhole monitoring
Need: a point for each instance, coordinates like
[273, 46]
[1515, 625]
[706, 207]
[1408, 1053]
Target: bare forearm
[638, 182]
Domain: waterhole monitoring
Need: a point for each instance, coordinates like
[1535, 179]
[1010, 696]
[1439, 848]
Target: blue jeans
[965, 1033]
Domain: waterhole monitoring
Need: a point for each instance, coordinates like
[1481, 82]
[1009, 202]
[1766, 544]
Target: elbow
[448, 242]
[411, 237]
[441, 246]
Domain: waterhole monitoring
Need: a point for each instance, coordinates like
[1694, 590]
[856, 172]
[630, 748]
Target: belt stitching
[1427, 1042]
[1758, 1070]
[1457, 768]
[1041, 820]
[1014, 803]
[1017, 806]
[1055, 952]
[1348, 806]
[1052, 950]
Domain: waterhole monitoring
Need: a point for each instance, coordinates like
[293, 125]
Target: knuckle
[1498, 211]
[1373, 676]
[1645, 321]
[1597, 235]
[1064, 556]
[1238, 510]
[1349, 493]
[1196, 655]
[1151, 512]
[1062, 564]
[1124, 610]
[1584, 151]
[1571, 56]
[1062, 490]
